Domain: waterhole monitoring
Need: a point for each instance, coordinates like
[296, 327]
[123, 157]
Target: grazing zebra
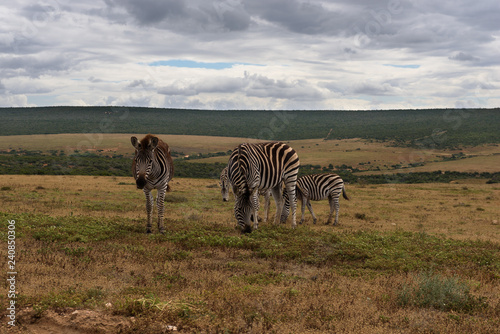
[224, 189]
[153, 169]
[317, 187]
[263, 166]
[224, 185]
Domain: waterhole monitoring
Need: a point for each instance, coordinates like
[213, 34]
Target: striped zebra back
[316, 187]
[320, 186]
[262, 165]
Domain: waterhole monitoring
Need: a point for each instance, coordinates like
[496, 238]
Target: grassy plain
[358, 153]
[86, 266]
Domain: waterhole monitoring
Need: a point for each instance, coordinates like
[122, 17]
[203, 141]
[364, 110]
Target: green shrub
[442, 293]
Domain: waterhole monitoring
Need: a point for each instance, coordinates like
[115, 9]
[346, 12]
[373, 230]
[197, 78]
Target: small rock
[171, 328]
[109, 305]
[494, 222]
[393, 224]
[74, 315]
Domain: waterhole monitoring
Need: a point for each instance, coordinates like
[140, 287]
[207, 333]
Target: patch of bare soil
[71, 321]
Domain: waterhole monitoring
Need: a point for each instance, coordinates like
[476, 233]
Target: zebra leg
[255, 208]
[267, 196]
[290, 189]
[149, 209]
[309, 206]
[160, 202]
[337, 208]
[334, 205]
[303, 202]
[278, 200]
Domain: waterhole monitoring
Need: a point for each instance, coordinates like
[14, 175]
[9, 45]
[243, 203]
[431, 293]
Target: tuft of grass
[442, 293]
[150, 305]
[71, 297]
[360, 216]
[173, 198]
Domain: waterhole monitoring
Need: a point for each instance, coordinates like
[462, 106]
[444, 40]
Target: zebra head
[224, 185]
[246, 194]
[143, 159]
[244, 207]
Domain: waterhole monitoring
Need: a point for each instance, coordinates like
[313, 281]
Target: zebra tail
[344, 194]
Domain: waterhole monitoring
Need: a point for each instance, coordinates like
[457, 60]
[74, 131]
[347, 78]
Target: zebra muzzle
[141, 182]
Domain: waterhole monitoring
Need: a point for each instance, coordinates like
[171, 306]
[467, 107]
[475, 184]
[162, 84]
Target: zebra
[254, 167]
[224, 185]
[317, 187]
[152, 168]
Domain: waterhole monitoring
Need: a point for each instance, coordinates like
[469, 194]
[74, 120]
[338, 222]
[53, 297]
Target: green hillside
[428, 129]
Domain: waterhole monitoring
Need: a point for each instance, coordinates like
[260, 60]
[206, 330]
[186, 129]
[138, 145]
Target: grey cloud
[34, 65]
[39, 13]
[215, 85]
[137, 83]
[299, 16]
[261, 86]
[377, 89]
[94, 80]
[148, 12]
[192, 16]
[29, 88]
[462, 56]
[250, 85]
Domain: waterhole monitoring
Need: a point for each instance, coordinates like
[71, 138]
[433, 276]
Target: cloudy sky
[251, 54]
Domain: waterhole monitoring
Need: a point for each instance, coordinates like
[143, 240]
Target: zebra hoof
[148, 231]
[328, 223]
[314, 221]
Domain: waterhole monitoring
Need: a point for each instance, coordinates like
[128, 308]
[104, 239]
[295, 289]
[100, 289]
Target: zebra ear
[153, 143]
[135, 142]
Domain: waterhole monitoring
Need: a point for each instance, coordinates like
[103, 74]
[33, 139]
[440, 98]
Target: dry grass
[81, 245]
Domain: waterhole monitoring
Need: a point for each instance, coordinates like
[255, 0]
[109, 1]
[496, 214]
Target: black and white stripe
[263, 166]
[225, 186]
[152, 169]
[317, 187]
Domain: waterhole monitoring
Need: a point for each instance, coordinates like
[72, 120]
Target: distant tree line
[424, 129]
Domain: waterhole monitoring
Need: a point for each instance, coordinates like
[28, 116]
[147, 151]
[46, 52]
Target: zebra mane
[239, 166]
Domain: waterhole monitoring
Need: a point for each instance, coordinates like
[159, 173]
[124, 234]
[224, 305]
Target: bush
[442, 293]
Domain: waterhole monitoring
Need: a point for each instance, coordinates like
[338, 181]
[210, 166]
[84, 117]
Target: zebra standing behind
[152, 168]
[317, 187]
[224, 185]
[254, 167]
[224, 189]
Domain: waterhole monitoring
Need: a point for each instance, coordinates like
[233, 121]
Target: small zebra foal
[152, 168]
[317, 187]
